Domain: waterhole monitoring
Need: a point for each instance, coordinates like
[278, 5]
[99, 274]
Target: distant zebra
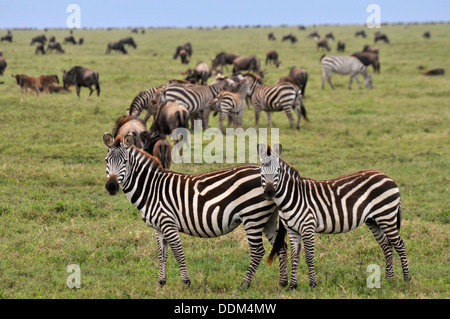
[143, 101]
[284, 96]
[198, 99]
[307, 206]
[202, 205]
[344, 65]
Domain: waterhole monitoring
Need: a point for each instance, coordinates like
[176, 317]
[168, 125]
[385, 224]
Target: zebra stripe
[143, 101]
[283, 96]
[203, 205]
[344, 65]
[307, 206]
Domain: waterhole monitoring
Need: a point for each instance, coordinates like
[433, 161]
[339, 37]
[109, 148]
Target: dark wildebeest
[116, 46]
[3, 65]
[368, 58]
[160, 147]
[300, 77]
[39, 49]
[39, 39]
[272, 56]
[129, 41]
[79, 77]
[183, 56]
[70, 39]
[427, 34]
[439, 71]
[360, 33]
[80, 41]
[45, 81]
[290, 37]
[323, 44]
[250, 63]
[341, 46]
[201, 73]
[52, 39]
[27, 82]
[187, 47]
[314, 35]
[271, 36]
[7, 37]
[381, 37]
[54, 46]
[369, 48]
[222, 59]
[329, 35]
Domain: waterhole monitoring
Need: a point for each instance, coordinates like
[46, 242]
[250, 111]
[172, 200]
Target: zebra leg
[296, 244]
[385, 245]
[256, 252]
[257, 115]
[357, 81]
[269, 118]
[399, 245]
[308, 241]
[329, 81]
[162, 256]
[288, 112]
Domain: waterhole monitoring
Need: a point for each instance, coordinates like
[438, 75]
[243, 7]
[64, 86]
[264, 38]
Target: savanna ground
[54, 210]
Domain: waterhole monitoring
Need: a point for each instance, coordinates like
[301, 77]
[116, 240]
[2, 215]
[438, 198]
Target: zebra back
[143, 101]
[343, 64]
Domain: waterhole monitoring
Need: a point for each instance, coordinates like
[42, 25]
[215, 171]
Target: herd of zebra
[271, 198]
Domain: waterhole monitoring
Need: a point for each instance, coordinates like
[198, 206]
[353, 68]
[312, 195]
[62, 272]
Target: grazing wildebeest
[201, 73]
[79, 77]
[160, 147]
[360, 33]
[70, 39]
[368, 58]
[271, 36]
[129, 41]
[54, 46]
[314, 35]
[323, 44]
[341, 46]
[370, 48]
[116, 46]
[381, 37]
[329, 35]
[222, 59]
[130, 124]
[3, 65]
[300, 77]
[439, 71]
[272, 56]
[187, 47]
[250, 63]
[290, 37]
[427, 34]
[39, 39]
[27, 82]
[46, 81]
[7, 37]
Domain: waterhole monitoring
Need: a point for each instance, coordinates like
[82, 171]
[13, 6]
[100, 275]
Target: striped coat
[344, 65]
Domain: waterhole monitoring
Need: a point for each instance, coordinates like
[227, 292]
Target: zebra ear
[277, 149]
[128, 140]
[108, 139]
[262, 150]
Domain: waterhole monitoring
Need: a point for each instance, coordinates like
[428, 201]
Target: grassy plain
[54, 210]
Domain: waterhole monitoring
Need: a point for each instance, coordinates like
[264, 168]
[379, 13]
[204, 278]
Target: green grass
[54, 210]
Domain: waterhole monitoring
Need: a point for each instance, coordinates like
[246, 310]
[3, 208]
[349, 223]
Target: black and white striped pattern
[308, 206]
[284, 96]
[143, 101]
[203, 205]
[344, 65]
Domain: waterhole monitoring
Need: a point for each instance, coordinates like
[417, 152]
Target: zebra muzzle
[112, 186]
[269, 191]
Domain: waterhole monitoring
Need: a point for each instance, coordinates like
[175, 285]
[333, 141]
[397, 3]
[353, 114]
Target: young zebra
[344, 65]
[198, 99]
[331, 206]
[203, 205]
[143, 101]
[283, 96]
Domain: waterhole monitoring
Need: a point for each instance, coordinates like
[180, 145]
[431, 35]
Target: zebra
[143, 101]
[282, 96]
[203, 205]
[344, 65]
[198, 99]
[331, 206]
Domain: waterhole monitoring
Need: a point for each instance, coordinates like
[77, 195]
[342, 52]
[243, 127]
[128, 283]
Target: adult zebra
[331, 206]
[143, 101]
[198, 99]
[344, 65]
[283, 96]
[203, 205]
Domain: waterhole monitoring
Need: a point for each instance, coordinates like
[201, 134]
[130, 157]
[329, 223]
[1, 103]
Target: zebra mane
[287, 79]
[151, 158]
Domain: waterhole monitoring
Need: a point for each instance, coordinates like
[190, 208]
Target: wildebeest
[323, 44]
[201, 73]
[39, 39]
[381, 37]
[272, 57]
[250, 63]
[7, 37]
[427, 34]
[300, 78]
[439, 71]
[329, 35]
[360, 33]
[70, 39]
[3, 65]
[27, 82]
[57, 88]
[187, 47]
[129, 41]
[130, 124]
[160, 147]
[340, 46]
[290, 37]
[54, 46]
[222, 59]
[368, 58]
[45, 81]
[116, 46]
[271, 36]
[80, 41]
[79, 77]
[183, 56]
[314, 35]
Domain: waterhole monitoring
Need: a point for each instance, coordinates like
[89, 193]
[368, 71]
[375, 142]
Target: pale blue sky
[150, 13]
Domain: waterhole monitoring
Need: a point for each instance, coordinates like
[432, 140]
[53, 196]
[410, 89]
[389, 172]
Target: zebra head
[116, 160]
[270, 168]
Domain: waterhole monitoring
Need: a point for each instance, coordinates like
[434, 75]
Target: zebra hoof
[292, 287]
[162, 282]
[283, 283]
[244, 285]
[407, 278]
[313, 284]
[186, 283]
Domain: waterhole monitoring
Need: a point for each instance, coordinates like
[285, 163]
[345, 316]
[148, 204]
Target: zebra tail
[320, 60]
[399, 218]
[278, 244]
[303, 109]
